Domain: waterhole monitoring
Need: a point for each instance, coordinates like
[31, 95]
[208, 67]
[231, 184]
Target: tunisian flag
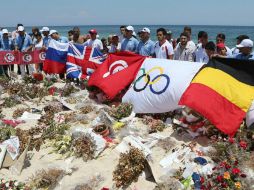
[117, 72]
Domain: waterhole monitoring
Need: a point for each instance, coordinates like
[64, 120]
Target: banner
[17, 57]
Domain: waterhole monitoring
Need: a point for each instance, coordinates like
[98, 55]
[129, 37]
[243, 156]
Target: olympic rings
[164, 89]
[139, 78]
[154, 68]
[150, 82]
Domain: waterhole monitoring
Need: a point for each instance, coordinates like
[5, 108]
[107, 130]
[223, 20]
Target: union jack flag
[82, 61]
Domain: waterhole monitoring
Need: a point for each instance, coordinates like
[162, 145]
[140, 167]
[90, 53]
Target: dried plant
[62, 145]
[84, 147]
[72, 100]
[36, 140]
[50, 110]
[11, 101]
[86, 109]
[4, 82]
[130, 166]
[27, 79]
[53, 130]
[153, 124]
[69, 117]
[19, 112]
[46, 179]
[121, 111]
[68, 89]
[6, 133]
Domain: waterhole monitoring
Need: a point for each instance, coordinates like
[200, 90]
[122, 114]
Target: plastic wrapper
[12, 146]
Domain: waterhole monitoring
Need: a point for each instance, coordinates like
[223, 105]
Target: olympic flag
[160, 84]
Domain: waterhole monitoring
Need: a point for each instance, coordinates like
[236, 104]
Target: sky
[136, 12]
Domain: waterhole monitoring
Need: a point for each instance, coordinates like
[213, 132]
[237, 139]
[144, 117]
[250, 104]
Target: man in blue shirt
[54, 35]
[129, 43]
[46, 38]
[23, 43]
[6, 44]
[245, 48]
[145, 46]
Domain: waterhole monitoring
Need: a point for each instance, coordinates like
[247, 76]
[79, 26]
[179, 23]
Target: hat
[93, 31]
[115, 35]
[130, 28]
[169, 32]
[220, 45]
[5, 31]
[21, 28]
[245, 43]
[145, 30]
[52, 32]
[45, 29]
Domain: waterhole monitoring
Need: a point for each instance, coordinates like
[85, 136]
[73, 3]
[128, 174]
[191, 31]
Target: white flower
[16, 184]
[7, 184]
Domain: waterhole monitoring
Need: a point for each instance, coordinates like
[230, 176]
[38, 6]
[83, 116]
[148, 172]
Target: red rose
[243, 175]
[243, 144]
[235, 171]
[219, 178]
[236, 163]
[227, 166]
[231, 140]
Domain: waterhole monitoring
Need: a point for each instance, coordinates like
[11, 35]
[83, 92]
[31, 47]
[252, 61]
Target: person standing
[146, 45]
[200, 52]
[115, 45]
[191, 44]
[239, 39]
[93, 41]
[76, 37]
[129, 43]
[46, 37]
[38, 46]
[6, 44]
[245, 48]
[23, 43]
[162, 48]
[122, 32]
[54, 35]
[210, 49]
[184, 51]
[221, 38]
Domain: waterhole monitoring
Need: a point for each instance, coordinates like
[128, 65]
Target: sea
[104, 31]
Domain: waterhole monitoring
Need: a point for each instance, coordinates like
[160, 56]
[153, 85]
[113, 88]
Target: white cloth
[192, 45]
[229, 52]
[164, 50]
[160, 84]
[39, 45]
[200, 54]
[94, 43]
[235, 51]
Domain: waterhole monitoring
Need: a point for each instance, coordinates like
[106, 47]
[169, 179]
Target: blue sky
[107, 12]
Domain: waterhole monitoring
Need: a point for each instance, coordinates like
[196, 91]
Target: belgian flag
[222, 91]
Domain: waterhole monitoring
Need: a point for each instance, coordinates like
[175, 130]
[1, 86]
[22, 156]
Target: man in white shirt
[221, 38]
[94, 42]
[191, 44]
[200, 53]
[184, 51]
[115, 46]
[163, 49]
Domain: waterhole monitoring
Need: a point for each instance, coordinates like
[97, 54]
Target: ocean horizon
[104, 31]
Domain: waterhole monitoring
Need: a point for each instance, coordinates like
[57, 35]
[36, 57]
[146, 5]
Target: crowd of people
[182, 48]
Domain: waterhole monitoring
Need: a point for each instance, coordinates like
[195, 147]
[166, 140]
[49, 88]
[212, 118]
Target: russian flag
[56, 56]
